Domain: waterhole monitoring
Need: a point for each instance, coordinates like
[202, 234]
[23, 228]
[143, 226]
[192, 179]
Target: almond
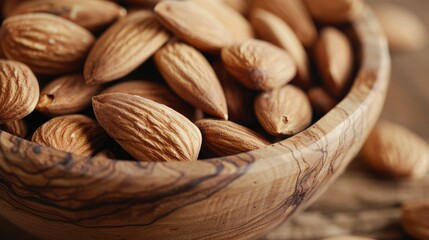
[236, 23]
[240, 6]
[48, 44]
[239, 99]
[334, 11]
[19, 91]
[77, 134]
[93, 15]
[294, 13]
[18, 128]
[272, 29]
[320, 100]
[223, 138]
[334, 58]
[285, 111]
[9, 5]
[194, 24]
[66, 95]
[415, 217]
[403, 29]
[149, 131]
[394, 151]
[156, 92]
[190, 75]
[124, 47]
[105, 153]
[259, 65]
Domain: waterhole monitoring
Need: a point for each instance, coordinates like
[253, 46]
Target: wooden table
[359, 203]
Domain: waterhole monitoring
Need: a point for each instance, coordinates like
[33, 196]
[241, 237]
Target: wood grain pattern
[47, 192]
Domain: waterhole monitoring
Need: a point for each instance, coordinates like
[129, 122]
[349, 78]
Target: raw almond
[239, 99]
[9, 5]
[334, 11]
[66, 95]
[259, 65]
[272, 29]
[48, 44]
[18, 128]
[236, 23]
[156, 92]
[223, 138]
[93, 15]
[77, 134]
[415, 217]
[403, 29]
[124, 47]
[320, 100]
[294, 13]
[240, 6]
[190, 75]
[285, 111]
[19, 91]
[194, 24]
[334, 58]
[394, 151]
[149, 131]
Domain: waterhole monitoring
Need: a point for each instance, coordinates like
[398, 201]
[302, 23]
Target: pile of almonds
[171, 80]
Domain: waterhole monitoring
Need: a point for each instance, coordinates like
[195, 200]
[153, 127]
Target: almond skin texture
[334, 58]
[19, 91]
[66, 95]
[77, 134]
[415, 217]
[285, 111]
[149, 131]
[48, 44]
[294, 13]
[124, 47]
[156, 92]
[223, 138]
[194, 25]
[236, 23]
[93, 15]
[18, 128]
[272, 29]
[259, 65]
[394, 151]
[334, 11]
[190, 75]
[403, 29]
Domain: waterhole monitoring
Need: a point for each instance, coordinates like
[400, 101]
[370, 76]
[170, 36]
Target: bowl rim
[375, 59]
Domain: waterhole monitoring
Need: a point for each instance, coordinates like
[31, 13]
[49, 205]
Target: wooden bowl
[56, 195]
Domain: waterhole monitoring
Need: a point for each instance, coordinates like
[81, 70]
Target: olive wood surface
[52, 194]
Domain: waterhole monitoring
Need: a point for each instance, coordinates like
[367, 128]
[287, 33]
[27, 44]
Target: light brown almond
[18, 128]
[149, 131]
[194, 24]
[403, 29]
[334, 58]
[19, 91]
[294, 13]
[190, 75]
[93, 15]
[259, 65]
[320, 100]
[334, 11]
[236, 23]
[285, 111]
[239, 99]
[415, 217]
[66, 95]
[241, 6]
[77, 134]
[394, 151]
[48, 44]
[223, 138]
[156, 92]
[272, 29]
[124, 47]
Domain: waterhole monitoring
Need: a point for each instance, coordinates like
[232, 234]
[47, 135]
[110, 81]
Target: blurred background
[361, 203]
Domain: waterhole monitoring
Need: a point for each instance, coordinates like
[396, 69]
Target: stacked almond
[170, 80]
